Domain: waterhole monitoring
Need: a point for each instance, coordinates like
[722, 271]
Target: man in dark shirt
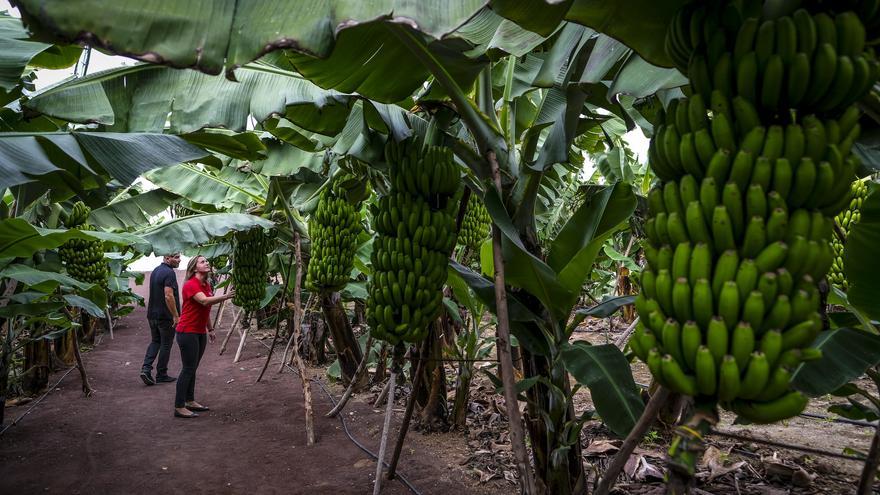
[163, 312]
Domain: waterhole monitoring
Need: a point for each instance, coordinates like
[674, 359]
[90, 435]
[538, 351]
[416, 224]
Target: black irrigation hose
[50, 389]
[398, 474]
[818, 417]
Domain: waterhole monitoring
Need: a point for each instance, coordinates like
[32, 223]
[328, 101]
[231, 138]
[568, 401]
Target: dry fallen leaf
[600, 447]
[713, 459]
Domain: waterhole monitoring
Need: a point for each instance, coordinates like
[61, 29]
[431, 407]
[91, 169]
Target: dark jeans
[192, 346]
[163, 338]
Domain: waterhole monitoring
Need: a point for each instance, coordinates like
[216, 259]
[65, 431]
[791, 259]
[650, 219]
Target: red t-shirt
[194, 317]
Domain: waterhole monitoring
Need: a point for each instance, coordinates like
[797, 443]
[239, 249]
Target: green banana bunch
[415, 223]
[815, 63]
[333, 230]
[475, 224]
[868, 12]
[846, 219]
[250, 266]
[83, 259]
[753, 166]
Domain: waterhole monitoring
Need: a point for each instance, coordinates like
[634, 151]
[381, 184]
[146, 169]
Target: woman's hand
[211, 336]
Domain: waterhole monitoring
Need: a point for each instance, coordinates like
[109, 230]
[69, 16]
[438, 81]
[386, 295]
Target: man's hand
[230, 294]
[175, 319]
[211, 336]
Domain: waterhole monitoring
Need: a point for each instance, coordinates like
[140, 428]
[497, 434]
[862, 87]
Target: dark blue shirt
[162, 276]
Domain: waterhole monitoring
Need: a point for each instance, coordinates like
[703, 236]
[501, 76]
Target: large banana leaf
[221, 31]
[226, 187]
[18, 238]
[606, 372]
[143, 97]
[25, 157]
[639, 24]
[183, 233]
[846, 354]
[17, 51]
[133, 211]
[575, 248]
[346, 43]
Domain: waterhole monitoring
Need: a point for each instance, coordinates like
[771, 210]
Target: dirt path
[124, 438]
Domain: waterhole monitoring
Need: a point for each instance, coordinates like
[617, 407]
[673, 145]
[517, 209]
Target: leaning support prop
[396, 369]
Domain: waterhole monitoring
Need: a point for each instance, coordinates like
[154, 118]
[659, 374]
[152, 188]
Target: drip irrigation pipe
[98, 341]
[31, 408]
[783, 445]
[398, 474]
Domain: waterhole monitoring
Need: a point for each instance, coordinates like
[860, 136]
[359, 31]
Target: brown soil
[124, 438]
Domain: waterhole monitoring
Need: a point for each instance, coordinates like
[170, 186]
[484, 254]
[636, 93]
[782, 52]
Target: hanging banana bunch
[475, 224]
[753, 166]
[846, 219]
[250, 266]
[333, 230]
[83, 259]
[415, 223]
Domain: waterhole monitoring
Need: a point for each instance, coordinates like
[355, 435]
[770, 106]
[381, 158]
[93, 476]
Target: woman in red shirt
[193, 329]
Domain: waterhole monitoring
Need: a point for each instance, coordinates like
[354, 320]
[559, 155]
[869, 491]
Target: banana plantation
[559, 247]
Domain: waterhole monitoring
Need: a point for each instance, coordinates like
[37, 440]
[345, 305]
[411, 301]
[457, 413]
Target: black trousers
[162, 332]
[192, 347]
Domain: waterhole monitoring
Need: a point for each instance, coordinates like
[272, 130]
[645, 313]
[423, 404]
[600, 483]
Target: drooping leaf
[640, 79]
[18, 50]
[604, 309]
[134, 211]
[575, 248]
[26, 157]
[226, 187]
[142, 98]
[179, 234]
[346, 43]
[846, 354]
[272, 290]
[862, 270]
[41, 280]
[18, 238]
[29, 309]
[606, 372]
[238, 145]
[539, 17]
[85, 304]
[523, 322]
[639, 24]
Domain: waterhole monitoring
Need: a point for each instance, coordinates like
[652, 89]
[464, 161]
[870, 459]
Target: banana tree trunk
[431, 393]
[65, 347]
[5, 358]
[462, 394]
[36, 366]
[553, 474]
[347, 349]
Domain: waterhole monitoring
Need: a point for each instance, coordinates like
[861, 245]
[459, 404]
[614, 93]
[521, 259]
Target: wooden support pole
[281, 304]
[389, 410]
[109, 320]
[407, 415]
[231, 329]
[609, 477]
[297, 330]
[250, 328]
[517, 436]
